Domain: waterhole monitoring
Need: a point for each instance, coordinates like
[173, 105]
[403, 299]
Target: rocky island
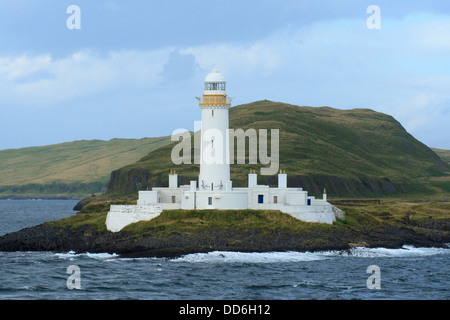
[372, 157]
[390, 224]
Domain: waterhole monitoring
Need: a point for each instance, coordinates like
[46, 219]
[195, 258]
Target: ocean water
[361, 273]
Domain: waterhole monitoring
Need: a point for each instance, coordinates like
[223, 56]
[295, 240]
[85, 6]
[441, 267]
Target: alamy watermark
[74, 20]
[374, 21]
[74, 280]
[215, 147]
[374, 280]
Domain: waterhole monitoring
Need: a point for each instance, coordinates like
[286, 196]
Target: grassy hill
[443, 154]
[352, 153]
[71, 169]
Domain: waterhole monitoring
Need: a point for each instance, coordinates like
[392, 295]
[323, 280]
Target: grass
[36, 170]
[92, 215]
[95, 221]
[356, 153]
[99, 206]
[74, 190]
[443, 154]
[394, 212]
[194, 221]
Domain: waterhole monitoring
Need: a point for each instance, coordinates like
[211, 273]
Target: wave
[293, 256]
[71, 255]
[405, 251]
[273, 257]
[249, 257]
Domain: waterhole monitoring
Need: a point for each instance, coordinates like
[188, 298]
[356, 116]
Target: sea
[408, 273]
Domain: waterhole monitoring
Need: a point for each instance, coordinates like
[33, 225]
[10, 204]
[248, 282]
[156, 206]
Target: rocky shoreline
[162, 243]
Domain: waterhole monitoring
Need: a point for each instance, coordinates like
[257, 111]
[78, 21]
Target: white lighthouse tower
[214, 155]
[215, 190]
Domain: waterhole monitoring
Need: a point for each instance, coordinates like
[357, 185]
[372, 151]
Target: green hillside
[351, 153]
[68, 169]
[443, 154]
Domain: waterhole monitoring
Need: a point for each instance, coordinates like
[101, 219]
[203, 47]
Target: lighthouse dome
[215, 83]
[215, 76]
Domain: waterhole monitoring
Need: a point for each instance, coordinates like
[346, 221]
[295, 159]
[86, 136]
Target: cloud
[179, 66]
[42, 81]
[402, 69]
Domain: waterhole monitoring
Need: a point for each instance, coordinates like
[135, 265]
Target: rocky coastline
[164, 243]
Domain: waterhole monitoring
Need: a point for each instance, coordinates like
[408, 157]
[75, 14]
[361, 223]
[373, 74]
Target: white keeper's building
[214, 189]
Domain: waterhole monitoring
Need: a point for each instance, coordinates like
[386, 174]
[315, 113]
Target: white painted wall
[148, 197]
[120, 216]
[222, 200]
[165, 195]
[318, 214]
[282, 180]
[252, 179]
[173, 180]
[188, 200]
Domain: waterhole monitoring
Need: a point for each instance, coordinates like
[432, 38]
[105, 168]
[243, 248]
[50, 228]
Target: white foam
[292, 256]
[249, 257]
[273, 257]
[71, 255]
[405, 251]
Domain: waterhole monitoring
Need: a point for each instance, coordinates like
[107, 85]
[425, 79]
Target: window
[212, 113]
[309, 202]
[260, 198]
[275, 199]
[209, 201]
[174, 199]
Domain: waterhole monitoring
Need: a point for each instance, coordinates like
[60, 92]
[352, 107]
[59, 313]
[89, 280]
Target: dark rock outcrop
[128, 181]
[162, 243]
[82, 203]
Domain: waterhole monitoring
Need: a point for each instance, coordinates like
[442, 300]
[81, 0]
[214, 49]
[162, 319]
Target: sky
[133, 68]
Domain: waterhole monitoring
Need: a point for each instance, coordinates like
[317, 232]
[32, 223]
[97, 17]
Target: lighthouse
[215, 190]
[214, 147]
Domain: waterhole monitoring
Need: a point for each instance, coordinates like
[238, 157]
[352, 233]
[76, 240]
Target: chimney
[173, 179]
[252, 178]
[282, 179]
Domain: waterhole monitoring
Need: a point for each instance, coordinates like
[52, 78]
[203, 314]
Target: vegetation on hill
[351, 153]
[71, 169]
[443, 154]
[392, 212]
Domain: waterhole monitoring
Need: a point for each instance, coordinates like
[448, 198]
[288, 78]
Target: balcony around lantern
[214, 100]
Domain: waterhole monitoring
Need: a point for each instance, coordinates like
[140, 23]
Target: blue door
[260, 198]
